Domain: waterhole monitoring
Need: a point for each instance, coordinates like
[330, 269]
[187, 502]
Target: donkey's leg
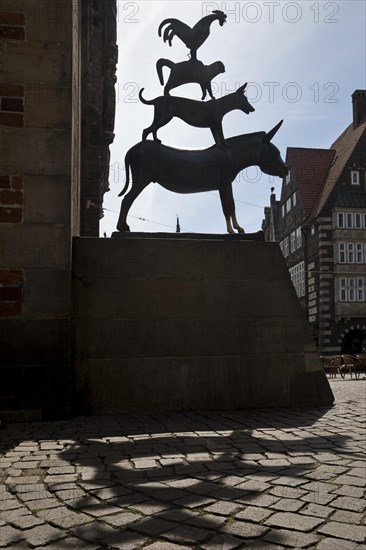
[227, 192]
[127, 203]
[235, 223]
[225, 203]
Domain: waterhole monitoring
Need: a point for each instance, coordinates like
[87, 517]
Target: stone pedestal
[191, 323]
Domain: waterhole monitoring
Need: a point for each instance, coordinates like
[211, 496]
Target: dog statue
[189, 71]
[201, 115]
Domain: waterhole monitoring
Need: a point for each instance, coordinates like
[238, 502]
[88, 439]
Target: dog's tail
[127, 168]
[159, 67]
[145, 101]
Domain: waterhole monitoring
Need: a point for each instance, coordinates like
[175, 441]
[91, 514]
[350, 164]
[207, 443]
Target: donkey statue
[194, 171]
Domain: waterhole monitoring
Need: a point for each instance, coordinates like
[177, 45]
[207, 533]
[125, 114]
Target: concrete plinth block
[189, 323]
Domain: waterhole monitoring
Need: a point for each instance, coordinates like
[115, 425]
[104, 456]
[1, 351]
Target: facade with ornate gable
[320, 224]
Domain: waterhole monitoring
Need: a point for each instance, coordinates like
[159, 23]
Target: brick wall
[11, 198]
[12, 26]
[35, 180]
[12, 105]
[41, 112]
[11, 287]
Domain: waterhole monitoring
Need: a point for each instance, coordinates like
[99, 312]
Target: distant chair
[348, 363]
[331, 364]
[360, 364]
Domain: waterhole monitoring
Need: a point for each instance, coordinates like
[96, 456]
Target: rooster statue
[194, 37]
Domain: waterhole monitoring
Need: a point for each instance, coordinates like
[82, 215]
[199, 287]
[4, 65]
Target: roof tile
[310, 168]
[343, 147]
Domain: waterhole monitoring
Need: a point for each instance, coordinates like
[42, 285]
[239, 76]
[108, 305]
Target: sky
[302, 61]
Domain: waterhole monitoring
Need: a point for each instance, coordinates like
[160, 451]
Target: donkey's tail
[159, 67]
[127, 168]
[147, 102]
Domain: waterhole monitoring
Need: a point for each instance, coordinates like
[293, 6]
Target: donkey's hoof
[123, 227]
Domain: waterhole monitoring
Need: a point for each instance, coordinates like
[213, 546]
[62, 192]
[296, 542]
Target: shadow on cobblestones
[202, 480]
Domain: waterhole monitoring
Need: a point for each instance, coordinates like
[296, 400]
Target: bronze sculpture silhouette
[195, 171]
[201, 115]
[194, 37]
[189, 71]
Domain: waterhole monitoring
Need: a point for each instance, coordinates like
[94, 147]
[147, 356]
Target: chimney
[359, 107]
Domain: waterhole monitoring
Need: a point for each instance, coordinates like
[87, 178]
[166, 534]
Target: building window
[343, 290]
[360, 290]
[293, 241]
[342, 253]
[288, 205]
[288, 177]
[359, 253]
[312, 231]
[352, 290]
[298, 238]
[293, 200]
[297, 274]
[284, 247]
[283, 210]
[350, 253]
[355, 177]
[351, 220]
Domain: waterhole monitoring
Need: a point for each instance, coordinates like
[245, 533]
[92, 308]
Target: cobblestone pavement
[260, 479]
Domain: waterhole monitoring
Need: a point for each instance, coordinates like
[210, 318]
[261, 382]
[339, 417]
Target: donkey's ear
[274, 130]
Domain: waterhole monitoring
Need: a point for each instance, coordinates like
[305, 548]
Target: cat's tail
[159, 68]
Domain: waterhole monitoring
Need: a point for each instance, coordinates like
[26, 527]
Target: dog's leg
[156, 137]
[145, 133]
[149, 130]
[218, 135]
[215, 135]
[160, 120]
